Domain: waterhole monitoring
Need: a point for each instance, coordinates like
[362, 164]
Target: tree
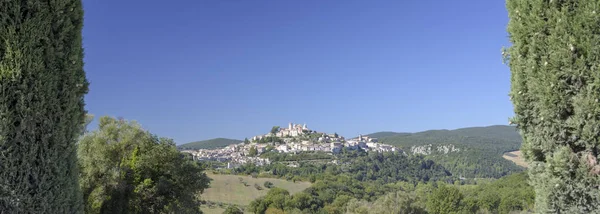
[42, 85]
[233, 210]
[246, 141]
[274, 130]
[555, 90]
[277, 197]
[125, 169]
[252, 151]
[258, 206]
[444, 199]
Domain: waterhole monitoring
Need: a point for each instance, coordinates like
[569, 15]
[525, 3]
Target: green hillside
[498, 139]
[385, 134]
[481, 149]
[209, 144]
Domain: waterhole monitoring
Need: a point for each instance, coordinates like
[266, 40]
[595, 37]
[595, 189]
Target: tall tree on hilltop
[42, 85]
[274, 130]
[555, 88]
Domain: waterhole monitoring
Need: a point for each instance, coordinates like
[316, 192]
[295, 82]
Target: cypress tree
[42, 84]
[555, 89]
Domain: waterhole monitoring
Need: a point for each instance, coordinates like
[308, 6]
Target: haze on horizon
[205, 69]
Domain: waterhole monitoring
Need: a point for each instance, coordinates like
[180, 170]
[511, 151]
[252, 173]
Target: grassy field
[516, 157]
[229, 189]
[215, 210]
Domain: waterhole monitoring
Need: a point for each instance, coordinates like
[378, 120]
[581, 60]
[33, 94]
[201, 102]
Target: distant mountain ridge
[209, 144]
[497, 139]
[494, 131]
[386, 134]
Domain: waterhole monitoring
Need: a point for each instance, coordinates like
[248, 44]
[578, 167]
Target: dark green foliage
[268, 184]
[270, 139]
[555, 89]
[275, 198]
[401, 202]
[42, 85]
[274, 130]
[480, 154]
[342, 194]
[125, 169]
[391, 167]
[504, 195]
[365, 177]
[252, 151]
[209, 144]
[378, 167]
[444, 200]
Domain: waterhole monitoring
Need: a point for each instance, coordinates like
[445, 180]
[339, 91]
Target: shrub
[268, 184]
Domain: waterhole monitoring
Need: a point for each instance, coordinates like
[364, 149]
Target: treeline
[476, 163]
[511, 193]
[359, 165]
[480, 154]
[371, 182]
[269, 139]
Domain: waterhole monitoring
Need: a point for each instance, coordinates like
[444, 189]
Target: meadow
[231, 189]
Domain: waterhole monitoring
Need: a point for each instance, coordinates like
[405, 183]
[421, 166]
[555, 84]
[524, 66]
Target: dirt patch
[516, 157]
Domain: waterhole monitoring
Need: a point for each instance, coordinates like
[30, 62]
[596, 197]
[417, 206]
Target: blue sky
[194, 70]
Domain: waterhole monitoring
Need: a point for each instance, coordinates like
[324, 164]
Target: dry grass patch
[516, 157]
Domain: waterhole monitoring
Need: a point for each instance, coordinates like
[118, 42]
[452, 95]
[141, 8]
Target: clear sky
[200, 69]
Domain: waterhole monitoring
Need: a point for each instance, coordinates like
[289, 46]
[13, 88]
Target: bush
[268, 184]
[258, 187]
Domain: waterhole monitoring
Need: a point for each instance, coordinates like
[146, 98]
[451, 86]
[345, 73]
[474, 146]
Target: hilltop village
[293, 139]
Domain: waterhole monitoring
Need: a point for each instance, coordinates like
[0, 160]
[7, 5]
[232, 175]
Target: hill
[385, 134]
[209, 144]
[471, 152]
[497, 139]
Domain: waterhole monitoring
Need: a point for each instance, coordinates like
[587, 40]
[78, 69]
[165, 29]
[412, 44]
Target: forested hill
[472, 152]
[497, 138]
[386, 134]
[209, 144]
